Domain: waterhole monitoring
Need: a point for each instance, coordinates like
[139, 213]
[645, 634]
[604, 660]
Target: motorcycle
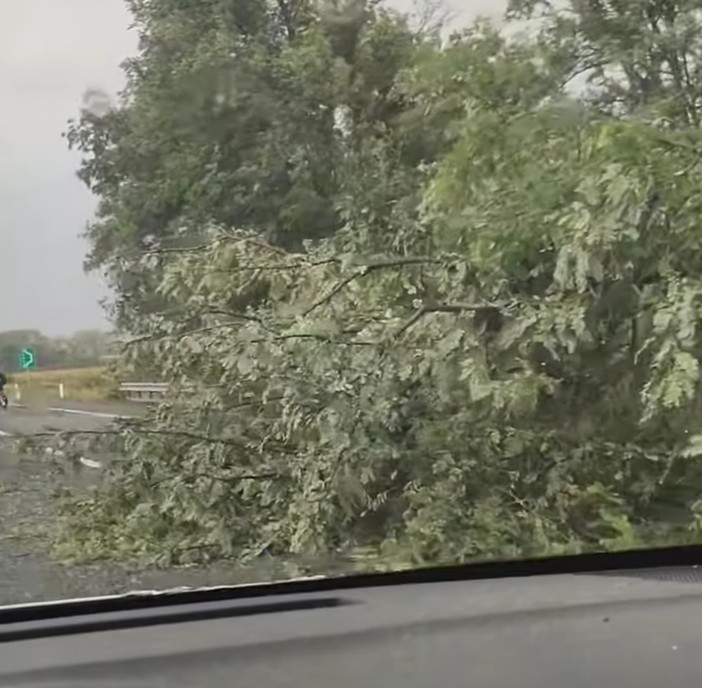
[3, 400]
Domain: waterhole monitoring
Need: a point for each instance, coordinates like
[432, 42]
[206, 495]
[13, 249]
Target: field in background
[81, 384]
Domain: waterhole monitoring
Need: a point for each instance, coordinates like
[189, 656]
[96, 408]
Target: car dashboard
[575, 630]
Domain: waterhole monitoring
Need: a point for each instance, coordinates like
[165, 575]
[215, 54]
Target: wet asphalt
[28, 572]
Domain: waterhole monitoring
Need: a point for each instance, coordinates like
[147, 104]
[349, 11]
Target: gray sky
[50, 52]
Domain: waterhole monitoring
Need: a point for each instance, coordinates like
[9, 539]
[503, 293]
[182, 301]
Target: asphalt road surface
[26, 421]
[27, 571]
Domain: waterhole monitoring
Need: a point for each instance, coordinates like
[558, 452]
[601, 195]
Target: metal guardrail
[143, 391]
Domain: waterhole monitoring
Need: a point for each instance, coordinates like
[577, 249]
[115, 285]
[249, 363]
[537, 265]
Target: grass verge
[82, 384]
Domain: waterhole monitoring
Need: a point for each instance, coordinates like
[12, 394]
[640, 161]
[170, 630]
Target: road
[27, 572]
[26, 421]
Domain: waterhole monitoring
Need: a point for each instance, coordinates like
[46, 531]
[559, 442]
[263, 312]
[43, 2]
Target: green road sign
[27, 358]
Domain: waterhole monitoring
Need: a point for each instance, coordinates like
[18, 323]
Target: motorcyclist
[3, 382]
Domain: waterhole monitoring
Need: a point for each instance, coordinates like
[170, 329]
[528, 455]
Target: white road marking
[94, 414]
[89, 463]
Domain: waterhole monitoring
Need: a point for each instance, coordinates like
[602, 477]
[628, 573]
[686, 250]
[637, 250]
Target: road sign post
[27, 358]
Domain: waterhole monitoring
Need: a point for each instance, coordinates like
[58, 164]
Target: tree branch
[443, 308]
[219, 478]
[276, 336]
[184, 434]
[364, 270]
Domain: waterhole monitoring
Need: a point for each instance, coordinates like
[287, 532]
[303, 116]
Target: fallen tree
[495, 354]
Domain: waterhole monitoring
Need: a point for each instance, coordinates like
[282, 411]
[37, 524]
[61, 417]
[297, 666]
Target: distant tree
[82, 349]
[87, 347]
[240, 114]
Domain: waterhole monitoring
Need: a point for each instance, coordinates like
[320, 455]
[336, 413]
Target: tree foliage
[486, 343]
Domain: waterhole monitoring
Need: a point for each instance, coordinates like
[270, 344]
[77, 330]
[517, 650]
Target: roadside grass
[81, 384]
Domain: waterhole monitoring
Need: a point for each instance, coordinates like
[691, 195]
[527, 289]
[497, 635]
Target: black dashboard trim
[112, 621]
[600, 562]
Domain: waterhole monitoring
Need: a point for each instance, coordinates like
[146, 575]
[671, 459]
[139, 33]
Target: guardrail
[143, 391]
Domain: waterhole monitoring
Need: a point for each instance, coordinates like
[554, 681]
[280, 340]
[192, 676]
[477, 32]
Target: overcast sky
[50, 52]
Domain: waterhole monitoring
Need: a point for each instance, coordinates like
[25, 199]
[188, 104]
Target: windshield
[322, 286]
